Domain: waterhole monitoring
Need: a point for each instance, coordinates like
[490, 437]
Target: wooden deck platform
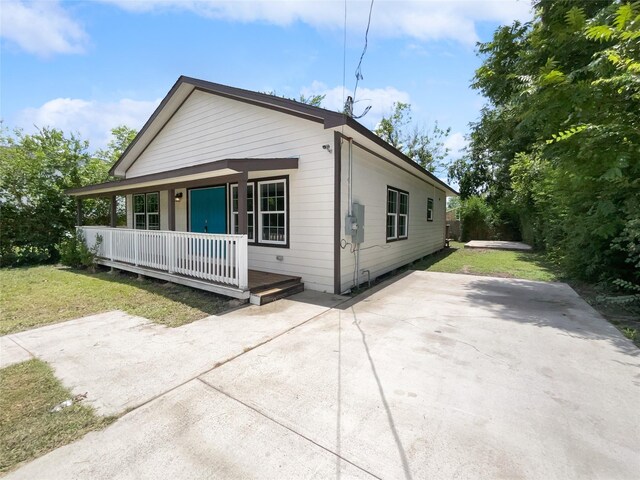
[264, 280]
[258, 281]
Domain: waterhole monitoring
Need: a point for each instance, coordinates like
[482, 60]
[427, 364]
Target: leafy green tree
[313, 100]
[423, 146]
[559, 140]
[35, 171]
[121, 137]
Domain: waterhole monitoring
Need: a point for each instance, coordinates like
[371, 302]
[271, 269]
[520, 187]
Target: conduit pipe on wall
[356, 247]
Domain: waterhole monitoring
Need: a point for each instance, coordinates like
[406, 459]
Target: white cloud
[380, 99]
[91, 119]
[455, 143]
[42, 28]
[422, 20]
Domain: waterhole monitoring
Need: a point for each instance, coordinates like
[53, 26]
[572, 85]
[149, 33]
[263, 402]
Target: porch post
[114, 211]
[171, 210]
[78, 211]
[242, 203]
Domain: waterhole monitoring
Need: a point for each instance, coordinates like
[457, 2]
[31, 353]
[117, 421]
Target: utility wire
[364, 50]
[344, 53]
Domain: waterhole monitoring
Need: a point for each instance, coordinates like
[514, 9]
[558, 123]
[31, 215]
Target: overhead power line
[348, 105]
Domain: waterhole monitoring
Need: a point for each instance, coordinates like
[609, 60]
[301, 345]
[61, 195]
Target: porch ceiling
[193, 176]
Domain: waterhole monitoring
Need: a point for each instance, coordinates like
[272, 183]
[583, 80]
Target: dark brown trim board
[337, 210]
[79, 214]
[113, 214]
[171, 210]
[242, 205]
[202, 182]
[238, 164]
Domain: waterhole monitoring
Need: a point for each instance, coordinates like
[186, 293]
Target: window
[146, 211]
[250, 211]
[429, 209]
[397, 214]
[272, 215]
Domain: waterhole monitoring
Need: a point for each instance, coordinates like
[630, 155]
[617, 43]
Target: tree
[35, 171]
[122, 136]
[313, 100]
[421, 145]
[558, 143]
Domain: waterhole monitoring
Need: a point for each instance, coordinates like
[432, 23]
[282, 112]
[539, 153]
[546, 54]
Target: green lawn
[27, 427]
[496, 263]
[35, 296]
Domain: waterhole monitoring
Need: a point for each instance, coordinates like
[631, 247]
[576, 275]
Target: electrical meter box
[354, 224]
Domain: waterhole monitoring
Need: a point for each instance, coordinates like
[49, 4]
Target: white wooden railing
[217, 258]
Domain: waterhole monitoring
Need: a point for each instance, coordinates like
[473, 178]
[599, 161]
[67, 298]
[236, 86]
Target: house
[232, 190]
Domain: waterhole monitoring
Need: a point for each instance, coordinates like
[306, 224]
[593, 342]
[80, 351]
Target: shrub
[75, 253]
[477, 219]
[16, 256]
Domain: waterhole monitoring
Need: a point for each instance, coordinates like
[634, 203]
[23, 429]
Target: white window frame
[232, 222]
[258, 198]
[396, 215]
[146, 213]
[393, 215]
[405, 215]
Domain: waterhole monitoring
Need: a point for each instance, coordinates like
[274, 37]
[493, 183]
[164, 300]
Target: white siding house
[207, 146]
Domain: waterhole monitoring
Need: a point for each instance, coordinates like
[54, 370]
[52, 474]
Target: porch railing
[212, 257]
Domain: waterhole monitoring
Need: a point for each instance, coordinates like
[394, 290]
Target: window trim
[396, 215]
[430, 210]
[259, 241]
[251, 241]
[146, 212]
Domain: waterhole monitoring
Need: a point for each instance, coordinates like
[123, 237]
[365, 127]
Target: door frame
[226, 204]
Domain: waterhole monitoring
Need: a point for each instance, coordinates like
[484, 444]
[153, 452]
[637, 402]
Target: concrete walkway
[498, 245]
[122, 361]
[434, 376]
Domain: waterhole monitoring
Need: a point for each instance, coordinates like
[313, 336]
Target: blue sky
[87, 66]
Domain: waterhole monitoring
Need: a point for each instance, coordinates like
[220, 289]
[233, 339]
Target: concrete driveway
[122, 361]
[433, 376]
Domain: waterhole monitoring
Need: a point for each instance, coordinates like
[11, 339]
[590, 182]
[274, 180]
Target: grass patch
[495, 263]
[27, 428]
[36, 296]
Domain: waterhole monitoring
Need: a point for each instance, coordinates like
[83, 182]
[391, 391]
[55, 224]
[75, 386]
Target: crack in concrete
[21, 346]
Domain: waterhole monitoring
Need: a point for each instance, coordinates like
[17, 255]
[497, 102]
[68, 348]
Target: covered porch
[211, 254]
[215, 263]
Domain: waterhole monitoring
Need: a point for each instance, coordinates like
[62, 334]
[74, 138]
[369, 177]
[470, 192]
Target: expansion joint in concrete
[263, 414]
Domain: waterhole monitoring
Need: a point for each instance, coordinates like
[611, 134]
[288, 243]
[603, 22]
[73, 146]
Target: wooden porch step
[276, 292]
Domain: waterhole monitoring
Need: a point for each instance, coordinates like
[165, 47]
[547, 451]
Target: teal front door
[208, 210]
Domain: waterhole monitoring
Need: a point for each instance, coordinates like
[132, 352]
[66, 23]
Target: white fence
[216, 258]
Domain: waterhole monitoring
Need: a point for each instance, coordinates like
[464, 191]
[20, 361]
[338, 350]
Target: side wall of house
[371, 177]
[207, 128]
